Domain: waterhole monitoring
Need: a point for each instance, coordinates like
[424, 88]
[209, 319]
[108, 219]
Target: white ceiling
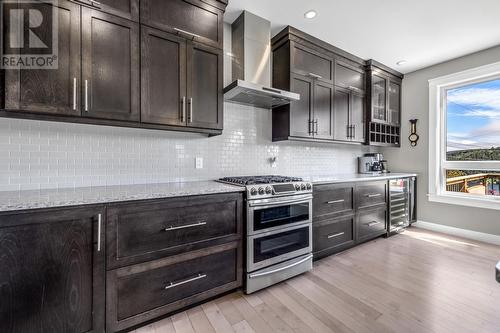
[423, 32]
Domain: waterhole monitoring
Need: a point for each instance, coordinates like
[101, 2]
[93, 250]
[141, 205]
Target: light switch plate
[199, 162]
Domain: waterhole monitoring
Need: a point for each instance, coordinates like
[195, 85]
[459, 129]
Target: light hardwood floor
[418, 281]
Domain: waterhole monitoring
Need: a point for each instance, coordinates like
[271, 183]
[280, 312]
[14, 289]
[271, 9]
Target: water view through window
[473, 134]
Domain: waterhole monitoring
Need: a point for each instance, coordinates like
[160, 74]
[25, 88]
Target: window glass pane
[479, 183]
[473, 122]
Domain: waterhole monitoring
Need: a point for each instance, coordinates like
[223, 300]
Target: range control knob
[308, 186]
[261, 190]
[269, 190]
[253, 191]
[303, 187]
[297, 187]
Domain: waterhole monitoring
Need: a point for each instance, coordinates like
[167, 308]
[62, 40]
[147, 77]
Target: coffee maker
[372, 163]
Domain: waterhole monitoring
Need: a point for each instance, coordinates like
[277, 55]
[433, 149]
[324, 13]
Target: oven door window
[275, 245]
[280, 215]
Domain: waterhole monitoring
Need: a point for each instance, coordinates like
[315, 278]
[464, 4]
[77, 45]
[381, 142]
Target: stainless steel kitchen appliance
[372, 163]
[402, 204]
[278, 228]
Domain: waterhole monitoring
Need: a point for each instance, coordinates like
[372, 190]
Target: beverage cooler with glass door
[402, 204]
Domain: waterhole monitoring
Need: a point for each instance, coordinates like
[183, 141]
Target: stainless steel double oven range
[278, 228]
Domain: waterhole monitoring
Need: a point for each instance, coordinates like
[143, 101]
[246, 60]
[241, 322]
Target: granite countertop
[22, 200]
[354, 177]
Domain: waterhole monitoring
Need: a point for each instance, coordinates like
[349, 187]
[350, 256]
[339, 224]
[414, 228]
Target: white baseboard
[474, 235]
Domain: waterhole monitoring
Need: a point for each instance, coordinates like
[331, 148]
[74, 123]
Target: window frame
[438, 164]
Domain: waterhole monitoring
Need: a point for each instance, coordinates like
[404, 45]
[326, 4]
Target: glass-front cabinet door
[379, 98]
[394, 102]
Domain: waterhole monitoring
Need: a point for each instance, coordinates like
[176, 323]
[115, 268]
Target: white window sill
[465, 200]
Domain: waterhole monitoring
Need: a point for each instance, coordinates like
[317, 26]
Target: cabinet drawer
[308, 62]
[333, 233]
[332, 199]
[192, 19]
[147, 231]
[371, 224]
[145, 291]
[371, 194]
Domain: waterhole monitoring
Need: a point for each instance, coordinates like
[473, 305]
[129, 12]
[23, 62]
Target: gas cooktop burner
[255, 180]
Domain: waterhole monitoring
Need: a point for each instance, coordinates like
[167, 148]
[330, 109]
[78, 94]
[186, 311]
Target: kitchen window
[464, 136]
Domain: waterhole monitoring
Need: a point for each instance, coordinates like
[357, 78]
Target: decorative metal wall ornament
[414, 137]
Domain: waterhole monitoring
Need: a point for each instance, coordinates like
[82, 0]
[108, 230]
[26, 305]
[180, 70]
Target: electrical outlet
[199, 162]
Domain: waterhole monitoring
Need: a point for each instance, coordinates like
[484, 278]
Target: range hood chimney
[251, 65]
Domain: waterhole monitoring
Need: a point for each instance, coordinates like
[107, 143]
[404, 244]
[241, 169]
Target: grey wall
[416, 105]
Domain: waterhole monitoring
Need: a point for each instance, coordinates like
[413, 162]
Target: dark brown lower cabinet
[347, 214]
[371, 223]
[52, 270]
[139, 293]
[333, 235]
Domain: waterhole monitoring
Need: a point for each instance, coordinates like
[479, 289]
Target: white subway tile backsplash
[39, 155]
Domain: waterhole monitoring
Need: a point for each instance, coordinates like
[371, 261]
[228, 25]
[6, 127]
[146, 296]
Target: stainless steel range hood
[251, 69]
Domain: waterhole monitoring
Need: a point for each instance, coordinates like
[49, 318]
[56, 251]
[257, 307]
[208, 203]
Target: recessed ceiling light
[310, 14]
[401, 62]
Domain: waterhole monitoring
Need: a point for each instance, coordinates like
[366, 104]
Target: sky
[474, 116]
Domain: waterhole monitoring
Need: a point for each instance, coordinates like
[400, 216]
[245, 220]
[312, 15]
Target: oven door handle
[278, 203]
[282, 268]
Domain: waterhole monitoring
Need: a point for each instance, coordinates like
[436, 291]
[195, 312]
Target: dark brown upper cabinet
[52, 91]
[384, 105]
[193, 19]
[349, 115]
[110, 68]
[204, 86]
[181, 81]
[53, 271]
[163, 82]
[308, 62]
[313, 69]
[128, 9]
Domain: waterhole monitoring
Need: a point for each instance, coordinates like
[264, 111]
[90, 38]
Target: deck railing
[466, 183]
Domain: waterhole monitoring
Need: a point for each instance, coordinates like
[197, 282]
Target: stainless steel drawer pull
[95, 3]
[336, 235]
[374, 195]
[371, 224]
[183, 109]
[186, 226]
[187, 33]
[316, 76]
[99, 227]
[335, 201]
[86, 96]
[190, 119]
[176, 284]
[74, 93]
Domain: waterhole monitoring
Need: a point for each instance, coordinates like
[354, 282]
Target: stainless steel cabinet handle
[311, 125]
[335, 201]
[355, 89]
[280, 269]
[187, 33]
[95, 3]
[371, 224]
[316, 123]
[336, 235]
[348, 131]
[176, 284]
[183, 109]
[316, 76]
[353, 134]
[374, 195]
[86, 96]
[190, 119]
[186, 226]
[99, 227]
[74, 93]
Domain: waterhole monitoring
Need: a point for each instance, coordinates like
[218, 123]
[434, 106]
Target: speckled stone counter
[22, 200]
[354, 177]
